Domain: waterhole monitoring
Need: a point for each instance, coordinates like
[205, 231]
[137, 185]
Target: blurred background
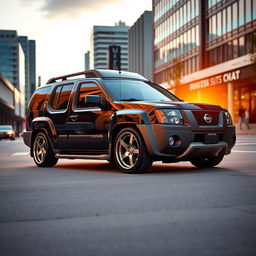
[202, 51]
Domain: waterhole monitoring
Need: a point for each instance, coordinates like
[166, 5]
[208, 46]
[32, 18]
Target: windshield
[130, 90]
[5, 127]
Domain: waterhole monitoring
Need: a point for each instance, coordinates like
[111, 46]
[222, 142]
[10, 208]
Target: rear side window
[87, 89]
[38, 99]
[61, 97]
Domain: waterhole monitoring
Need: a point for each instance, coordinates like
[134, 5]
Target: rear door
[88, 124]
[58, 111]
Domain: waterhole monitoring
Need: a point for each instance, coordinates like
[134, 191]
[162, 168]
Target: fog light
[171, 141]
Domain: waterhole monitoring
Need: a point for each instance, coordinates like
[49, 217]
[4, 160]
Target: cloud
[68, 7]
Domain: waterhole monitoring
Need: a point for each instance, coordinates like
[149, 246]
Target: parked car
[7, 132]
[125, 119]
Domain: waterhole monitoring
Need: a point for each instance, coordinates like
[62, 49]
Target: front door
[88, 124]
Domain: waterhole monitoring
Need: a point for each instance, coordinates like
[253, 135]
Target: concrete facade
[140, 45]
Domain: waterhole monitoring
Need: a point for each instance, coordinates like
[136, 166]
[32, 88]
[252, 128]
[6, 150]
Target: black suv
[125, 119]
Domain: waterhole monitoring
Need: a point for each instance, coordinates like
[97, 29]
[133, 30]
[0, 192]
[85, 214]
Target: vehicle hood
[171, 105]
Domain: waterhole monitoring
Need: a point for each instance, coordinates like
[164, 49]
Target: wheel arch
[45, 125]
[133, 118]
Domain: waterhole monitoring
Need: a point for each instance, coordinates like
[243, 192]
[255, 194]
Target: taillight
[26, 122]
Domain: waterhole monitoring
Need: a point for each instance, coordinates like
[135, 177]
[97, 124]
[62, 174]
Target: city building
[12, 105]
[17, 56]
[104, 36]
[140, 45]
[87, 60]
[24, 44]
[12, 58]
[212, 40]
[32, 66]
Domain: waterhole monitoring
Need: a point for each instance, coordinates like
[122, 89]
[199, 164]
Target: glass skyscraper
[212, 40]
[17, 56]
[10, 55]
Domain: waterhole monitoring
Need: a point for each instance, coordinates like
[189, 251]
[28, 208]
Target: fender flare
[138, 118]
[45, 124]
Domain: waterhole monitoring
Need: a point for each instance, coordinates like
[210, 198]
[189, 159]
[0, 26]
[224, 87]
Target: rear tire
[130, 152]
[42, 151]
[204, 162]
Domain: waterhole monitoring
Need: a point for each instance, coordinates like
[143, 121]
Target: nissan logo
[207, 118]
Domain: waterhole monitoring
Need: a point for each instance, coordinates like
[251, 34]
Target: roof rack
[88, 74]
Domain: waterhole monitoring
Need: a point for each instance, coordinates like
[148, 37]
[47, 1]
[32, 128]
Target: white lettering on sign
[231, 76]
[215, 80]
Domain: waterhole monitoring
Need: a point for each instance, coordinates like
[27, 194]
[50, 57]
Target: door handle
[73, 117]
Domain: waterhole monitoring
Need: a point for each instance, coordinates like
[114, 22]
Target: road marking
[244, 151]
[10, 141]
[241, 144]
[20, 154]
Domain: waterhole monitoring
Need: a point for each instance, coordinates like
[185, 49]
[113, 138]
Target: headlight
[169, 116]
[228, 117]
[10, 132]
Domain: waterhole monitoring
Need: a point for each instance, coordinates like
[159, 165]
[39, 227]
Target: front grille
[202, 116]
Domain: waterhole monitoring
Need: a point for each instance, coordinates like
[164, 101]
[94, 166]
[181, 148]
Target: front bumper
[191, 142]
[197, 149]
[5, 135]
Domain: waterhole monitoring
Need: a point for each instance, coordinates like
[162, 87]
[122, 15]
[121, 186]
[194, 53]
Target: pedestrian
[243, 117]
[241, 114]
[246, 118]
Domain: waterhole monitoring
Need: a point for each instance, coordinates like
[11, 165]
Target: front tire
[207, 162]
[42, 151]
[130, 152]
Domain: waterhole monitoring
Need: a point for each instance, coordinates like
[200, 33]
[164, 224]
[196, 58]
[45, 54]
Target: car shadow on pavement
[155, 169]
[97, 167]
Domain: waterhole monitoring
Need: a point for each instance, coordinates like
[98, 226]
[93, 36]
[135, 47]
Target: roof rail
[88, 74]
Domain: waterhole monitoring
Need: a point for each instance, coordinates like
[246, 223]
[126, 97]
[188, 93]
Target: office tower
[212, 40]
[87, 60]
[140, 45]
[104, 36]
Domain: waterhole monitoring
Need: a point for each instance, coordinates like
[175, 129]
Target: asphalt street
[90, 208]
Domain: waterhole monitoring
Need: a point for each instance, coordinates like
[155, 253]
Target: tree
[174, 74]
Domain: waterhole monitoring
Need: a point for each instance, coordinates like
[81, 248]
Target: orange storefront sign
[213, 90]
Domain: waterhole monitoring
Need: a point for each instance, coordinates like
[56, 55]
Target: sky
[62, 28]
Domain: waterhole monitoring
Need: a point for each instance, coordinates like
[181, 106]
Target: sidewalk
[245, 131]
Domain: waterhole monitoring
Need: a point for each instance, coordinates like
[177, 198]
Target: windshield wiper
[130, 99]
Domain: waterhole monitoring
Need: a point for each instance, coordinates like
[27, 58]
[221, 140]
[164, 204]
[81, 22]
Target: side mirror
[92, 100]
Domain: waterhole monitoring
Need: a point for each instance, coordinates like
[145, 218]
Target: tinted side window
[87, 89]
[61, 97]
[37, 101]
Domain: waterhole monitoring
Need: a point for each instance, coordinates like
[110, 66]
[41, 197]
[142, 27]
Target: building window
[214, 26]
[248, 11]
[248, 43]
[224, 22]
[254, 10]
[219, 55]
[234, 12]
[229, 19]
[241, 12]
[197, 35]
[235, 48]
[229, 51]
[241, 46]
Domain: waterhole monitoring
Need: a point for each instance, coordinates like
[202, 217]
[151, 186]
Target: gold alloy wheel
[39, 149]
[127, 150]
